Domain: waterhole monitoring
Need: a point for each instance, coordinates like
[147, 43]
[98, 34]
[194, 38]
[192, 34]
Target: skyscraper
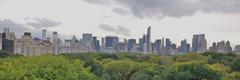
[228, 48]
[221, 47]
[55, 36]
[44, 34]
[56, 43]
[237, 49]
[0, 41]
[157, 46]
[142, 41]
[149, 46]
[163, 42]
[199, 43]
[8, 40]
[168, 43]
[131, 44]
[111, 41]
[87, 42]
[96, 44]
[185, 47]
[213, 48]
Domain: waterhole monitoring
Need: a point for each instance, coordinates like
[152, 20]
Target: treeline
[120, 66]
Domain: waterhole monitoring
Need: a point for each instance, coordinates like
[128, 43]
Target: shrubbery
[120, 66]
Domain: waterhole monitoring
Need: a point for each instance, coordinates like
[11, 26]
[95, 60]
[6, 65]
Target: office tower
[131, 44]
[103, 43]
[237, 49]
[67, 43]
[199, 43]
[149, 39]
[55, 35]
[27, 44]
[184, 48]
[96, 44]
[111, 42]
[213, 48]
[157, 46]
[142, 41]
[168, 43]
[8, 43]
[188, 47]
[122, 47]
[44, 34]
[74, 42]
[56, 43]
[221, 47]
[0, 41]
[228, 47]
[87, 42]
[173, 46]
[163, 42]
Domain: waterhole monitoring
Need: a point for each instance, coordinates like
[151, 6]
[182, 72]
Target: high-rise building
[185, 47]
[122, 47]
[131, 43]
[149, 46]
[103, 43]
[237, 49]
[221, 47]
[213, 48]
[111, 41]
[168, 43]
[55, 35]
[157, 46]
[0, 41]
[199, 43]
[96, 44]
[44, 34]
[142, 41]
[27, 44]
[56, 43]
[87, 42]
[8, 40]
[163, 42]
[228, 47]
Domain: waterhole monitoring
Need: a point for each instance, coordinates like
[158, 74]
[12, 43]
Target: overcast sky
[174, 19]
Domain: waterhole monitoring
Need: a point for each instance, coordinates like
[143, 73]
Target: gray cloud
[120, 30]
[177, 8]
[43, 23]
[121, 11]
[98, 1]
[18, 28]
[13, 26]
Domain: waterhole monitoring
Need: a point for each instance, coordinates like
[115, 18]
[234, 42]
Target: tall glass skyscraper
[149, 49]
[199, 43]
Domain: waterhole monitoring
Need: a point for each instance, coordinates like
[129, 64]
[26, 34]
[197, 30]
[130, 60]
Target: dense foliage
[120, 66]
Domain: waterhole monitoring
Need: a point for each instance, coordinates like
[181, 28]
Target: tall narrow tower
[44, 34]
[149, 39]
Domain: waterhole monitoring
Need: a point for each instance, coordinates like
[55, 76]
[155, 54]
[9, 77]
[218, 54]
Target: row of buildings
[27, 45]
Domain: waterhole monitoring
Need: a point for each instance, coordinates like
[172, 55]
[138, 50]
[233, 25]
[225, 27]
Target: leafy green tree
[193, 70]
[43, 68]
[131, 70]
[220, 58]
[235, 64]
[189, 57]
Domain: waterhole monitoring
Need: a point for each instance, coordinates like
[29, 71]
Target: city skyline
[29, 45]
[103, 17]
